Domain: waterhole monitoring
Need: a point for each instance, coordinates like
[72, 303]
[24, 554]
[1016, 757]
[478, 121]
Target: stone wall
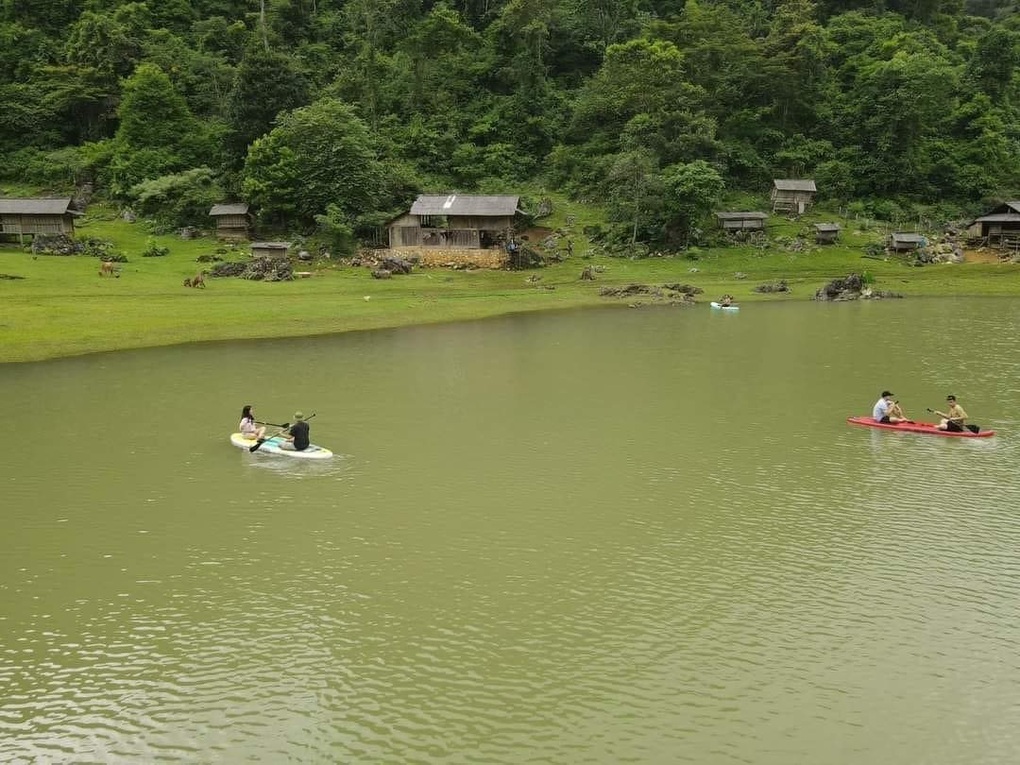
[436, 257]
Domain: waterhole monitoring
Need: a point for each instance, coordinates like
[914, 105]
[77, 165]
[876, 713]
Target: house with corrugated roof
[270, 249]
[1000, 227]
[789, 195]
[826, 233]
[899, 241]
[456, 221]
[232, 220]
[741, 221]
[36, 216]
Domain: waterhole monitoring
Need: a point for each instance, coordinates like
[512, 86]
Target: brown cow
[106, 269]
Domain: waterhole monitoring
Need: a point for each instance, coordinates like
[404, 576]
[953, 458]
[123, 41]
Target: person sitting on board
[248, 427]
[726, 300]
[296, 438]
[882, 411]
[954, 419]
[896, 413]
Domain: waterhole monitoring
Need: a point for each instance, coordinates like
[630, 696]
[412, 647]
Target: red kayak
[917, 427]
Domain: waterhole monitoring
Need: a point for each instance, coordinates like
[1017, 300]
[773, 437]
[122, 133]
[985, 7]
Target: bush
[100, 248]
[153, 250]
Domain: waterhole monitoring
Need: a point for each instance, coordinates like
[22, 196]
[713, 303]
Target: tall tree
[157, 133]
[267, 84]
[316, 156]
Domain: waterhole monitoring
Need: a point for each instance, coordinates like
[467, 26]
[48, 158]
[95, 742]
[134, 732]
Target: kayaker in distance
[954, 419]
[297, 439]
[887, 411]
[248, 427]
[726, 301]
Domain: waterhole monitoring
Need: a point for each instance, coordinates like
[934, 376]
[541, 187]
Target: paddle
[283, 429]
[972, 428]
[273, 424]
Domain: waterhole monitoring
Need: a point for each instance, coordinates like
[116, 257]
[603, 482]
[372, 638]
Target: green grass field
[62, 307]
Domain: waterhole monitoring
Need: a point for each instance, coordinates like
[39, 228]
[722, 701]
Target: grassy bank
[61, 306]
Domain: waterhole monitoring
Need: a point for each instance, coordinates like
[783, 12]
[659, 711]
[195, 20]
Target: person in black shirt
[297, 435]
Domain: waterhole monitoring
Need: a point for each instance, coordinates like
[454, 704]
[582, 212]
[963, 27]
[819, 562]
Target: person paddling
[887, 411]
[726, 301]
[297, 438]
[955, 419]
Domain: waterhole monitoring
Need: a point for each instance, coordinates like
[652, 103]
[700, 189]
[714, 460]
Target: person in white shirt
[887, 411]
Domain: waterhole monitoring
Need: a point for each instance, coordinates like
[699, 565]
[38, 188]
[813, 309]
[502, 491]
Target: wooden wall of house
[231, 224]
[269, 252]
[21, 223]
[415, 236]
[748, 224]
[791, 199]
[480, 222]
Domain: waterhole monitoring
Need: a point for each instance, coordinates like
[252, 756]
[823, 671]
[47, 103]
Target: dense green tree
[606, 99]
[157, 134]
[691, 192]
[266, 84]
[634, 194]
[176, 200]
[204, 79]
[316, 156]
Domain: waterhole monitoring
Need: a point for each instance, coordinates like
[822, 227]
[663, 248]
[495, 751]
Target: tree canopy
[333, 110]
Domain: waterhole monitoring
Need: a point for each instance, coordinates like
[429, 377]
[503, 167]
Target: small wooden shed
[794, 196]
[1000, 226]
[453, 221]
[232, 220]
[270, 249]
[826, 233]
[33, 216]
[903, 242]
[741, 221]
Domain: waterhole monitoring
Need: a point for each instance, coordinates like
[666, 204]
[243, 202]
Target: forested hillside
[335, 113]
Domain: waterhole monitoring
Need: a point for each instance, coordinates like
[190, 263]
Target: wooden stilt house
[1000, 227]
[33, 216]
[456, 221]
[232, 220]
[792, 196]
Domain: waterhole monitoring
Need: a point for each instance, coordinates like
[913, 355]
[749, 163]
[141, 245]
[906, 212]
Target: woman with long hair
[248, 427]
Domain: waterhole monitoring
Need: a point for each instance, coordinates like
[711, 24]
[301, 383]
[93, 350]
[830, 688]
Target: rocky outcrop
[769, 287]
[263, 269]
[669, 294]
[851, 287]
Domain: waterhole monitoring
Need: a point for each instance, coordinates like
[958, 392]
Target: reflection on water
[591, 537]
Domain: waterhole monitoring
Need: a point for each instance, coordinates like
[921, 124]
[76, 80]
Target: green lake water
[599, 536]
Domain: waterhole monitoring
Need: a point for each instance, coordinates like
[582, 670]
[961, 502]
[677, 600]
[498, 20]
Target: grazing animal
[196, 281]
[106, 269]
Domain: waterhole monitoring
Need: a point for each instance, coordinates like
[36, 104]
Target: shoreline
[49, 348]
[54, 307]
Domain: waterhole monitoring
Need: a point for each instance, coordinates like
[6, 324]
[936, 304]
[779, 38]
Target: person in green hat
[297, 435]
